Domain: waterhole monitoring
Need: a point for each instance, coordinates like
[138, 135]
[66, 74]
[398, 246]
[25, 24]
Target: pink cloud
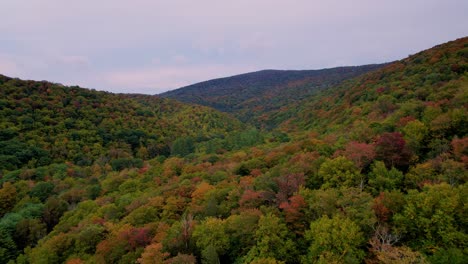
[8, 66]
[74, 60]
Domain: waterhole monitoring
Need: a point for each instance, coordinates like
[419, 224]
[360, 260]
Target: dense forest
[252, 96]
[44, 123]
[368, 169]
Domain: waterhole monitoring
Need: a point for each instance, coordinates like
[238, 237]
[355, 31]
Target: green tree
[334, 240]
[272, 241]
[340, 172]
[42, 190]
[28, 232]
[53, 250]
[434, 217]
[383, 179]
[241, 230]
[182, 146]
[210, 236]
[414, 133]
[88, 238]
[8, 249]
[54, 208]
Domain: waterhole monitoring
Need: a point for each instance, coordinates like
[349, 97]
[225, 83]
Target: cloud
[180, 59]
[8, 66]
[161, 79]
[74, 61]
[256, 43]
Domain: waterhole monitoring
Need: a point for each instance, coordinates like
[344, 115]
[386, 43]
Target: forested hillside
[372, 170]
[251, 97]
[44, 123]
[423, 97]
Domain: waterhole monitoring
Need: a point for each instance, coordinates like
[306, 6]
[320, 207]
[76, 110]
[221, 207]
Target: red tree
[361, 154]
[288, 185]
[392, 150]
[293, 212]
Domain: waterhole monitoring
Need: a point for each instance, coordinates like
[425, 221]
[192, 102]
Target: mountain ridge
[248, 96]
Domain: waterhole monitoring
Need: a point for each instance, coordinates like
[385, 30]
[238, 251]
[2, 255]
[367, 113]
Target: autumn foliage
[369, 170]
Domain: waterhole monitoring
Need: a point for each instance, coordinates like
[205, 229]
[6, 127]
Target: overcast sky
[150, 46]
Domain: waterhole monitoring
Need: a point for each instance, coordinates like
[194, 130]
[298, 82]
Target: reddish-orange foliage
[272, 158]
[293, 212]
[380, 210]
[303, 162]
[288, 185]
[196, 168]
[291, 148]
[361, 154]
[250, 199]
[99, 221]
[405, 120]
[256, 172]
[256, 152]
[199, 193]
[153, 254]
[75, 261]
[135, 237]
[381, 89]
[143, 169]
[391, 149]
[174, 207]
[246, 182]
[460, 149]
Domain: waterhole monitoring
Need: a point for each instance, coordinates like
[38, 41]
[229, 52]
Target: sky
[151, 46]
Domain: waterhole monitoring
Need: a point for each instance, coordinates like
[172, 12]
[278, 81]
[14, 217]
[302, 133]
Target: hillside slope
[43, 122]
[250, 96]
[427, 90]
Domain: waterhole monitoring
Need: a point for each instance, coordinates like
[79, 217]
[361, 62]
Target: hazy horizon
[153, 46]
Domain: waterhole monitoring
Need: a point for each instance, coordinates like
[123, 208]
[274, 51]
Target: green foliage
[42, 190]
[88, 238]
[272, 241]
[8, 248]
[211, 238]
[347, 202]
[434, 217]
[28, 232]
[141, 216]
[14, 154]
[451, 255]
[339, 172]
[125, 163]
[182, 147]
[241, 231]
[415, 133]
[54, 208]
[334, 240]
[382, 179]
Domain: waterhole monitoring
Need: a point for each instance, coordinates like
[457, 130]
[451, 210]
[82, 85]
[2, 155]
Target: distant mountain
[42, 122]
[251, 96]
